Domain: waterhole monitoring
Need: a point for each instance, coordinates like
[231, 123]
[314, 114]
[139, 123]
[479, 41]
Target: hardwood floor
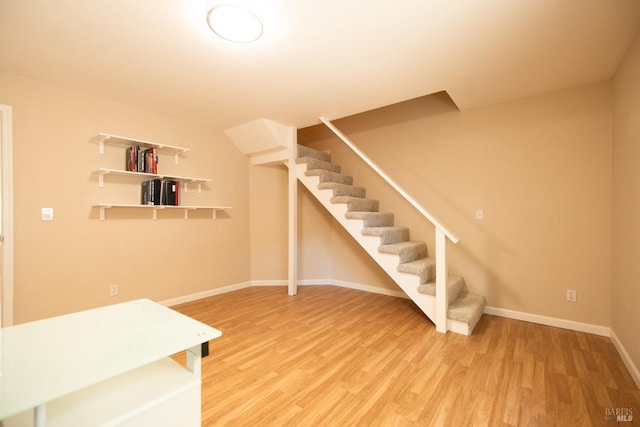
[336, 356]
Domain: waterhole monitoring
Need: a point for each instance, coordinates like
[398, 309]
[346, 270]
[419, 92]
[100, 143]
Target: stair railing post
[442, 297]
[292, 268]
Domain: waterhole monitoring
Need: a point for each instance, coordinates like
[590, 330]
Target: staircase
[404, 260]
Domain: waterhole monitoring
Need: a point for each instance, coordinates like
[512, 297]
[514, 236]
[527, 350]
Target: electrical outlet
[113, 290]
[479, 213]
[572, 295]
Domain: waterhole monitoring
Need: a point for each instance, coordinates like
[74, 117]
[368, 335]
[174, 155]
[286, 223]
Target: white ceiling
[328, 58]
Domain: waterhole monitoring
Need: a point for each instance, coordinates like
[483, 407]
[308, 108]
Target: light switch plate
[47, 214]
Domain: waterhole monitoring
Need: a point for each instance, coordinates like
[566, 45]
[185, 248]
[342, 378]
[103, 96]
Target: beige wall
[269, 230]
[626, 203]
[541, 170]
[68, 264]
[268, 219]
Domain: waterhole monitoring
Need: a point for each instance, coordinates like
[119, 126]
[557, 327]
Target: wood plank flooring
[335, 356]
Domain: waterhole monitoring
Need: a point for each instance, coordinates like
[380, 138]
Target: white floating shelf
[155, 208]
[185, 179]
[106, 138]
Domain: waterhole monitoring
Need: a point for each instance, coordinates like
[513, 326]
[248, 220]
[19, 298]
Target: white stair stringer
[417, 280]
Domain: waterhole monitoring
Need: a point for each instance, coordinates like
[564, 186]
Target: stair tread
[357, 203]
[467, 308]
[364, 214]
[343, 189]
[323, 172]
[455, 287]
[304, 151]
[329, 176]
[388, 234]
[408, 250]
[313, 163]
[376, 231]
[423, 267]
[397, 247]
[372, 219]
[347, 199]
[417, 265]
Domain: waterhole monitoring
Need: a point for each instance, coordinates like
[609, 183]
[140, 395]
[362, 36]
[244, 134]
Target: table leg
[194, 357]
[40, 415]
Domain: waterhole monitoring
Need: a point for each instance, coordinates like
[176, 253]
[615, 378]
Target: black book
[169, 193]
[145, 194]
[156, 185]
[151, 193]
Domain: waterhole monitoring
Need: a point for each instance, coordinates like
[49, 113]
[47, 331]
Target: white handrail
[391, 182]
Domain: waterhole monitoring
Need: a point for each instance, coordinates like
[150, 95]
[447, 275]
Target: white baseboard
[307, 282]
[205, 294]
[315, 282]
[549, 321]
[633, 369]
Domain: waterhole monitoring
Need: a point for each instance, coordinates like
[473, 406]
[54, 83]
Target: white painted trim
[549, 321]
[6, 311]
[442, 275]
[205, 294]
[315, 282]
[292, 209]
[628, 362]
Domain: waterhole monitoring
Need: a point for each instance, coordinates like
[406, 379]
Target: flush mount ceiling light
[234, 23]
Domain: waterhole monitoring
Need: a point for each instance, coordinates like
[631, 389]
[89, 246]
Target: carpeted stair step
[407, 251]
[313, 163]
[423, 267]
[328, 176]
[357, 203]
[372, 219]
[455, 285]
[388, 235]
[310, 152]
[343, 189]
[467, 308]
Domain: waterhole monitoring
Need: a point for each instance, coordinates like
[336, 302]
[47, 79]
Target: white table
[106, 366]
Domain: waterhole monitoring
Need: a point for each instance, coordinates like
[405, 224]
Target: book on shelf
[141, 160]
[160, 192]
[131, 158]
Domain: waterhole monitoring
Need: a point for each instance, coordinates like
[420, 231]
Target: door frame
[6, 301]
